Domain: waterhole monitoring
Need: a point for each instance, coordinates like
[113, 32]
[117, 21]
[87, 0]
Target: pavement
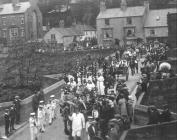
[56, 130]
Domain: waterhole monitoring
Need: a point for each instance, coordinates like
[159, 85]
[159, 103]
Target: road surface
[56, 130]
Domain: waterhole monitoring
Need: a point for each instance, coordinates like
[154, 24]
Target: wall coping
[29, 99]
[53, 76]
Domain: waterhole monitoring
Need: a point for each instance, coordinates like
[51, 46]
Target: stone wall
[163, 131]
[26, 104]
[162, 92]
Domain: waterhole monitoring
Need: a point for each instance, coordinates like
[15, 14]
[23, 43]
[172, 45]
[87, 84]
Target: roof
[6, 9]
[118, 13]
[158, 18]
[84, 27]
[68, 31]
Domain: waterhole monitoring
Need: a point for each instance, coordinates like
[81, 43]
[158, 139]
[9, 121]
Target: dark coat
[17, 104]
[6, 119]
[12, 113]
[91, 132]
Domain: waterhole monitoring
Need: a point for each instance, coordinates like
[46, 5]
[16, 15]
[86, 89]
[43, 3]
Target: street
[56, 130]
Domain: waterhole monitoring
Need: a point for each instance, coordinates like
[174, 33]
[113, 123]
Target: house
[62, 36]
[87, 31]
[156, 27]
[124, 24]
[20, 20]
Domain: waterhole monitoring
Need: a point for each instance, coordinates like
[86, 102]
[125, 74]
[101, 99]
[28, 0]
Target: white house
[125, 24]
[156, 27]
[86, 30]
[62, 36]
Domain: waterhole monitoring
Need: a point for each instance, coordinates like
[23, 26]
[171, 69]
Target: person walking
[78, 123]
[41, 116]
[33, 127]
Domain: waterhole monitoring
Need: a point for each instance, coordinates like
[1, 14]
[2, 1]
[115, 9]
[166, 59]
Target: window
[22, 20]
[3, 20]
[129, 20]
[130, 32]
[107, 22]
[152, 32]
[107, 33]
[13, 33]
[4, 34]
[13, 20]
[22, 32]
[53, 37]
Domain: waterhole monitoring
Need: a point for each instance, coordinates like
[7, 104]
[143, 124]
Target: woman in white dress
[100, 84]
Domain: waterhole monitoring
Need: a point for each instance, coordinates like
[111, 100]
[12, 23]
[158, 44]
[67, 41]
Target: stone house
[124, 24]
[62, 37]
[20, 20]
[156, 27]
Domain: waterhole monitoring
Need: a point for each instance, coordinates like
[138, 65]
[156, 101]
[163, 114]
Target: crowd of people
[45, 115]
[98, 100]
[94, 98]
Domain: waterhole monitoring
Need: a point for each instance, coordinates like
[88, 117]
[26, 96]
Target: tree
[158, 4]
[23, 64]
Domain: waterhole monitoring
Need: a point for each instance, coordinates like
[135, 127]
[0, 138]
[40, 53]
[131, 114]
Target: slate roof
[6, 9]
[118, 13]
[68, 31]
[158, 18]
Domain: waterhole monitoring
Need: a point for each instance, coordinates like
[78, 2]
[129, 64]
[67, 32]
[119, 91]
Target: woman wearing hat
[100, 84]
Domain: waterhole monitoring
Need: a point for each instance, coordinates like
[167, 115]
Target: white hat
[32, 114]
[90, 117]
[52, 96]
[41, 101]
[40, 106]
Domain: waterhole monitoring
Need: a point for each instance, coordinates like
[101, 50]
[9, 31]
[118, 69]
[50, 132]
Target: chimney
[102, 6]
[146, 5]
[123, 5]
[15, 2]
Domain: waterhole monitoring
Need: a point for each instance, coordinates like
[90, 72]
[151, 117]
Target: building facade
[124, 24]
[62, 37]
[20, 20]
[88, 32]
[129, 24]
[156, 27]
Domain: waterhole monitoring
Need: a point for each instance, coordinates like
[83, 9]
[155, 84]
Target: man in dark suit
[7, 122]
[92, 130]
[12, 115]
[17, 107]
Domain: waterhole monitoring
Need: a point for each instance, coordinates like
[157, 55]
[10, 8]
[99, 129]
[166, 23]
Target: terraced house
[20, 20]
[128, 24]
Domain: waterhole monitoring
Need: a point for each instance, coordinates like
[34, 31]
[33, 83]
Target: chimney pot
[102, 6]
[146, 4]
[15, 2]
[123, 5]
